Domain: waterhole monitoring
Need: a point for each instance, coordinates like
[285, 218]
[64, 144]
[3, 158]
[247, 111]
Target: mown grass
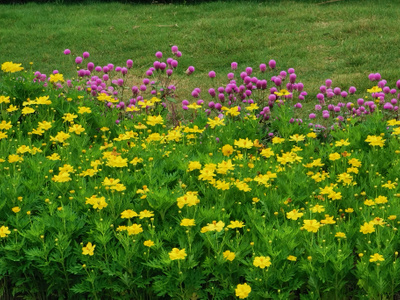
[344, 41]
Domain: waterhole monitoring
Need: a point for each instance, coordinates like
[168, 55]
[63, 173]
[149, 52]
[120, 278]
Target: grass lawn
[343, 41]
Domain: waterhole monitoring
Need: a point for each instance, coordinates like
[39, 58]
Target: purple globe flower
[322, 88]
[67, 52]
[129, 63]
[78, 60]
[218, 106]
[110, 67]
[169, 72]
[149, 73]
[106, 69]
[371, 77]
[143, 88]
[393, 101]
[278, 81]
[185, 102]
[178, 54]
[352, 90]
[318, 107]
[249, 71]
[146, 81]
[298, 105]
[343, 94]
[377, 76]
[105, 77]
[211, 92]
[272, 64]
[190, 70]
[312, 116]
[328, 83]
[234, 66]
[230, 76]
[221, 89]
[200, 102]
[337, 91]
[90, 66]
[290, 70]
[221, 97]
[263, 68]
[300, 87]
[162, 66]
[283, 74]
[211, 74]
[85, 54]
[336, 109]
[325, 116]
[292, 78]
[98, 69]
[174, 49]
[272, 97]
[195, 94]
[159, 54]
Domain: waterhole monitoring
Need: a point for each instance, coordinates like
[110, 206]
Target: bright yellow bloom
[367, 228]
[228, 255]
[146, 214]
[236, 224]
[54, 78]
[4, 99]
[292, 258]
[84, 110]
[244, 143]
[294, 214]
[311, 225]
[334, 156]
[317, 208]
[128, 214]
[88, 249]
[194, 165]
[214, 226]
[328, 220]
[340, 235]
[374, 140]
[12, 108]
[262, 261]
[117, 161]
[68, 117]
[342, 142]
[187, 222]
[4, 125]
[154, 120]
[297, 138]
[177, 254]
[27, 110]
[374, 89]
[14, 158]
[4, 231]
[277, 140]
[369, 202]
[97, 203]
[390, 185]
[16, 209]
[134, 229]
[215, 122]
[10, 67]
[148, 243]
[242, 290]
[267, 153]
[381, 200]
[376, 257]
[78, 129]
[227, 150]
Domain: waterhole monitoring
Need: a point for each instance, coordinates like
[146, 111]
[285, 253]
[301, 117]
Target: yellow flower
[367, 228]
[194, 165]
[128, 214]
[236, 224]
[228, 255]
[311, 225]
[262, 261]
[334, 156]
[374, 89]
[154, 120]
[62, 177]
[214, 226]
[98, 203]
[27, 110]
[227, 150]
[177, 254]
[328, 220]
[215, 122]
[376, 257]
[375, 140]
[54, 78]
[4, 99]
[134, 229]
[68, 117]
[88, 249]
[148, 243]
[78, 129]
[4, 231]
[318, 209]
[187, 222]
[16, 209]
[12, 108]
[340, 235]
[369, 202]
[244, 143]
[84, 110]
[145, 214]
[292, 258]
[267, 153]
[10, 67]
[342, 142]
[242, 290]
[390, 185]
[117, 161]
[294, 214]
[277, 140]
[392, 217]
[381, 200]
[297, 138]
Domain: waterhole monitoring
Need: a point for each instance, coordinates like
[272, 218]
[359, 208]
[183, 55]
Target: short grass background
[342, 40]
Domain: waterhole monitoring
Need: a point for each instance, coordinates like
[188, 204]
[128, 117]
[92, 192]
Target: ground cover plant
[114, 188]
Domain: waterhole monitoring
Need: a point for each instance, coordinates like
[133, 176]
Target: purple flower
[278, 81]
[174, 49]
[190, 70]
[230, 76]
[146, 81]
[162, 66]
[298, 105]
[377, 76]
[352, 90]
[272, 64]
[85, 54]
[393, 101]
[234, 66]
[218, 106]
[129, 63]
[110, 67]
[90, 66]
[249, 71]
[178, 54]
[272, 97]
[169, 72]
[67, 52]
[290, 70]
[124, 71]
[221, 97]
[211, 92]
[105, 77]
[283, 74]
[343, 94]
[143, 88]
[292, 78]
[263, 68]
[78, 60]
[159, 54]
[328, 83]
[98, 69]
[200, 102]
[211, 74]
[337, 91]
[336, 109]
[220, 89]
[106, 69]
[312, 116]
[149, 73]
[195, 94]
[318, 107]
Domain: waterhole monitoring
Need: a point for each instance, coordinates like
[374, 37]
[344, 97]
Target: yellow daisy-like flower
[262, 261]
[376, 257]
[148, 243]
[4, 231]
[88, 249]
[16, 209]
[242, 290]
[292, 258]
[177, 254]
[236, 224]
[228, 255]
[128, 214]
[187, 222]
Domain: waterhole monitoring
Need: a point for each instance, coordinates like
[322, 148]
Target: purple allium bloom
[318, 107]
[322, 88]
[37, 74]
[220, 89]
[228, 90]
[272, 97]
[330, 94]
[85, 54]
[292, 78]
[398, 84]
[377, 76]
[118, 69]
[81, 73]
[105, 77]
[109, 104]
[185, 102]
[325, 116]
[343, 94]
[243, 75]
[349, 105]
[106, 69]
[163, 65]
[221, 97]
[124, 71]
[331, 106]
[254, 79]
[340, 118]
[386, 90]
[393, 101]
[98, 69]
[234, 65]
[388, 106]
[211, 74]
[67, 52]
[273, 90]
[169, 60]
[184, 107]
[200, 102]
[272, 64]
[143, 88]
[337, 91]
[360, 101]
[218, 106]
[190, 70]
[300, 87]
[263, 68]
[393, 91]
[146, 81]
[283, 74]
[278, 81]
[291, 121]
[298, 105]
[174, 49]
[55, 72]
[247, 80]
[336, 109]
[249, 71]
[290, 70]
[90, 66]
[121, 104]
[178, 54]
[320, 97]
[352, 90]
[129, 63]
[301, 97]
[149, 73]
[248, 93]
[69, 83]
[153, 92]
[195, 94]
[159, 54]
[371, 77]
[78, 60]
[211, 104]
[211, 92]
[328, 83]
[230, 76]
[156, 64]
[312, 116]
[87, 73]
[169, 72]
[110, 67]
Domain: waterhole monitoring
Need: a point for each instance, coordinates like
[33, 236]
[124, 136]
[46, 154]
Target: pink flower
[272, 64]
[67, 51]
[85, 54]
[211, 74]
[78, 60]
[159, 54]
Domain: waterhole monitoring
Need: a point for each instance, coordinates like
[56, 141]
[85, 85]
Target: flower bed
[114, 189]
